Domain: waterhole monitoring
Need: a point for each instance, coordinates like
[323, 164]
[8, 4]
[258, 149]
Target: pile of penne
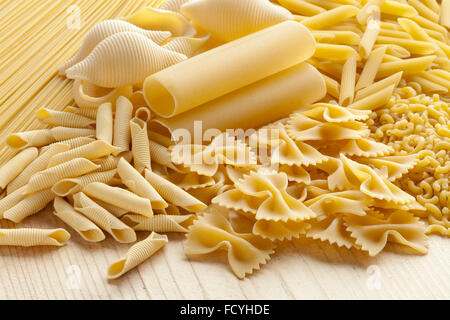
[343, 106]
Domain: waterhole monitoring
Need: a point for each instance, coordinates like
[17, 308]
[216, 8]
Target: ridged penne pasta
[445, 13]
[301, 7]
[370, 69]
[379, 85]
[333, 87]
[64, 119]
[37, 165]
[104, 219]
[139, 185]
[10, 170]
[140, 144]
[173, 194]
[11, 200]
[408, 66]
[29, 205]
[348, 82]
[334, 52]
[83, 226]
[137, 254]
[91, 151]
[64, 133]
[105, 123]
[48, 177]
[27, 139]
[65, 187]
[413, 46]
[369, 38]
[103, 65]
[107, 28]
[30, 237]
[122, 132]
[398, 9]
[159, 223]
[424, 11]
[119, 197]
[331, 17]
[375, 100]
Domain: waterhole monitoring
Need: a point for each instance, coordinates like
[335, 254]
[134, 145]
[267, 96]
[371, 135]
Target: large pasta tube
[224, 69]
[263, 102]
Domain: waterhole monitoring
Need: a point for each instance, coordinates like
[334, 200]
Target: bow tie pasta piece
[301, 128]
[174, 5]
[349, 202]
[331, 228]
[404, 207]
[186, 45]
[326, 112]
[107, 28]
[372, 233]
[246, 252]
[295, 173]
[365, 148]
[280, 230]
[268, 189]
[393, 167]
[125, 58]
[159, 19]
[228, 20]
[337, 178]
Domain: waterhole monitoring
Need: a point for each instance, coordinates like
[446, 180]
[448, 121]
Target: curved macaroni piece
[30, 237]
[105, 123]
[10, 170]
[64, 133]
[393, 167]
[89, 96]
[348, 202]
[139, 185]
[159, 223]
[82, 225]
[186, 45]
[91, 151]
[104, 66]
[29, 205]
[265, 195]
[280, 230]
[65, 187]
[71, 169]
[38, 164]
[159, 19]
[27, 139]
[121, 198]
[372, 233]
[228, 20]
[174, 194]
[122, 131]
[138, 253]
[107, 28]
[246, 251]
[64, 119]
[140, 145]
[104, 219]
[331, 228]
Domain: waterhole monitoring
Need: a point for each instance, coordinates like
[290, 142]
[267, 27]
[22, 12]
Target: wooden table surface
[305, 269]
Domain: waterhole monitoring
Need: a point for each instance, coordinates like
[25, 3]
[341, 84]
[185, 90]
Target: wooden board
[305, 269]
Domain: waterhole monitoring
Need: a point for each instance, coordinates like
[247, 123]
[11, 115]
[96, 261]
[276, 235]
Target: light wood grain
[305, 269]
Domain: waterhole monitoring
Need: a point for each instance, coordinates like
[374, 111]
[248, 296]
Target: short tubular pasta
[33, 138]
[174, 194]
[39, 164]
[139, 185]
[30, 237]
[64, 119]
[65, 187]
[48, 177]
[334, 52]
[444, 13]
[10, 170]
[137, 254]
[119, 197]
[83, 226]
[140, 144]
[64, 133]
[379, 85]
[72, 143]
[29, 205]
[301, 7]
[105, 123]
[408, 66]
[11, 200]
[91, 151]
[348, 82]
[88, 113]
[159, 223]
[104, 219]
[122, 133]
[331, 17]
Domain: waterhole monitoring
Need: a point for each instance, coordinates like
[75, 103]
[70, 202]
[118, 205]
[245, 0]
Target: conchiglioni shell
[228, 20]
[89, 96]
[105, 29]
[122, 59]
[157, 19]
[186, 45]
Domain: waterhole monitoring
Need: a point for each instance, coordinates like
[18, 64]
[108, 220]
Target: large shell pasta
[103, 30]
[231, 19]
[83, 226]
[103, 218]
[145, 58]
[30, 237]
[137, 254]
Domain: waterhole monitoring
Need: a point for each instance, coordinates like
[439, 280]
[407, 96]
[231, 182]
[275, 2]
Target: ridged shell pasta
[103, 30]
[137, 254]
[231, 19]
[30, 237]
[141, 56]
